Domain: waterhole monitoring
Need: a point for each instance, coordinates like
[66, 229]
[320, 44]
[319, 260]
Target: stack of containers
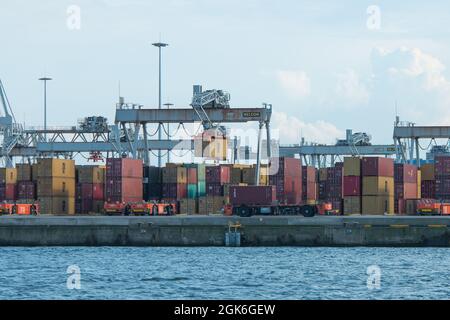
[26, 187]
[334, 186]
[322, 184]
[8, 184]
[249, 175]
[56, 186]
[217, 188]
[174, 178]
[405, 180]
[377, 185]
[309, 185]
[123, 181]
[287, 179]
[428, 181]
[442, 176]
[352, 186]
[90, 191]
[152, 183]
[196, 187]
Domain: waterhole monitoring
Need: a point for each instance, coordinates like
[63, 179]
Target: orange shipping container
[60, 168]
[8, 175]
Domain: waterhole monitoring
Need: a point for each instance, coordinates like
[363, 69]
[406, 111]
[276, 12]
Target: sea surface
[224, 273]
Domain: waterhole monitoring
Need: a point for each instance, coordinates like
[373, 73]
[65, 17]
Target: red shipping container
[98, 191]
[286, 176]
[373, 166]
[309, 174]
[405, 173]
[218, 174]
[8, 192]
[405, 190]
[253, 195]
[400, 206]
[86, 191]
[352, 186]
[124, 190]
[192, 175]
[124, 167]
[26, 190]
[174, 191]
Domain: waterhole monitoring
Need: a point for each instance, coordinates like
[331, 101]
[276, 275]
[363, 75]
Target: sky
[325, 66]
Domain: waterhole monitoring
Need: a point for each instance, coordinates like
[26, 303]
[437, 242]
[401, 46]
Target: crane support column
[269, 149]
[146, 155]
[258, 154]
[417, 153]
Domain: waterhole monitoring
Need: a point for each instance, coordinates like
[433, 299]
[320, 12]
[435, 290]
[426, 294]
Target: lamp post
[168, 105]
[159, 45]
[45, 79]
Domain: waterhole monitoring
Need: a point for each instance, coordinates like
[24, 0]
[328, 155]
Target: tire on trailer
[308, 211]
[244, 211]
[155, 210]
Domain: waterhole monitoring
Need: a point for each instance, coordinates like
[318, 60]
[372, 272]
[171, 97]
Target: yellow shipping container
[56, 187]
[34, 172]
[8, 175]
[56, 168]
[91, 174]
[57, 205]
[352, 166]
[419, 183]
[377, 205]
[174, 174]
[323, 173]
[248, 175]
[378, 186]
[23, 172]
[352, 205]
[427, 172]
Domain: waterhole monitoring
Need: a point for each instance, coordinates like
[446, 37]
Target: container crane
[9, 128]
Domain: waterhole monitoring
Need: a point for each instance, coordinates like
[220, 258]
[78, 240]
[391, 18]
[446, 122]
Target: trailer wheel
[127, 210]
[308, 211]
[244, 211]
[33, 210]
[14, 209]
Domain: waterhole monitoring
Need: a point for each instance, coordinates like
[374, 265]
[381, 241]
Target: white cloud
[290, 128]
[296, 83]
[416, 80]
[351, 89]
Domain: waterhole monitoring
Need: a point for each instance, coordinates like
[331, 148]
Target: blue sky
[317, 62]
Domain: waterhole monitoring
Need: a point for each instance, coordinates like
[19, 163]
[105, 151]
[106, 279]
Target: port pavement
[389, 231]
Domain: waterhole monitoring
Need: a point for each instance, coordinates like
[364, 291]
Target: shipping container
[8, 175]
[427, 172]
[124, 168]
[428, 189]
[405, 173]
[123, 189]
[373, 166]
[152, 174]
[218, 174]
[256, 195]
[26, 190]
[405, 191]
[352, 205]
[309, 174]
[441, 165]
[352, 166]
[152, 191]
[377, 205]
[323, 174]
[214, 189]
[57, 187]
[192, 191]
[55, 168]
[286, 176]
[352, 186]
[411, 206]
[57, 205]
[90, 174]
[174, 191]
[202, 206]
[23, 172]
[8, 191]
[377, 186]
[176, 174]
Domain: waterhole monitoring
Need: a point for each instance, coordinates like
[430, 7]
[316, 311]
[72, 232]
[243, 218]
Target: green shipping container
[192, 191]
[201, 188]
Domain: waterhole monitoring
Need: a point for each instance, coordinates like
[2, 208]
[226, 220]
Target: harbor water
[224, 273]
